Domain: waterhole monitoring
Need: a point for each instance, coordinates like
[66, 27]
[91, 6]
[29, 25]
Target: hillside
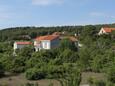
[67, 63]
[17, 33]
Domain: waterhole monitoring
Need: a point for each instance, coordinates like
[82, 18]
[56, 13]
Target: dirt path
[97, 76]
[19, 80]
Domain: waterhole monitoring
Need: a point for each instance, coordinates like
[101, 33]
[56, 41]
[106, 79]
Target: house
[106, 30]
[46, 42]
[19, 45]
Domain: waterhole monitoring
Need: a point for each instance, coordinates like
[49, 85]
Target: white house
[46, 42]
[106, 30]
[19, 45]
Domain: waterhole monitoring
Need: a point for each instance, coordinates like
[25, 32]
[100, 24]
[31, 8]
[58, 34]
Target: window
[45, 45]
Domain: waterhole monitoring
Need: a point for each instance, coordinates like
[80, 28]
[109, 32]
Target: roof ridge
[47, 37]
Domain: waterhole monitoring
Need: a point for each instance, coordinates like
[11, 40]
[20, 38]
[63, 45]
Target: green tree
[68, 56]
[85, 58]
[67, 44]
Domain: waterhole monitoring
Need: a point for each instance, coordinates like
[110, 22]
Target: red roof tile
[71, 38]
[48, 37]
[23, 43]
[56, 33]
[108, 30]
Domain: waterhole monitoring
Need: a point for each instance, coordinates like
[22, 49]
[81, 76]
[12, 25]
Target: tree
[96, 63]
[67, 44]
[84, 60]
[68, 56]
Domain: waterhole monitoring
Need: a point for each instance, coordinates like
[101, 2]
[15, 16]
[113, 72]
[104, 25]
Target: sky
[16, 13]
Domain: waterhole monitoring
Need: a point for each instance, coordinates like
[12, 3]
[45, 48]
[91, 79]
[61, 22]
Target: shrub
[35, 74]
[110, 84]
[71, 78]
[67, 44]
[1, 70]
[54, 71]
[100, 83]
[90, 81]
[94, 82]
[111, 74]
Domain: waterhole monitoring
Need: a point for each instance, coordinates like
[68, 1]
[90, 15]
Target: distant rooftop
[108, 30]
[48, 37]
[23, 43]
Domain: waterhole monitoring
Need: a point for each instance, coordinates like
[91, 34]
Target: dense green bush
[35, 74]
[100, 83]
[94, 82]
[55, 71]
[108, 83]
[67, 44]
[111, 74]
[13, 64]
[71, 77]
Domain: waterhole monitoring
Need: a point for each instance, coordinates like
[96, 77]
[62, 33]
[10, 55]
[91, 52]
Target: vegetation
[65, 63]
[94, 82]
[111, 74]
[1, 70]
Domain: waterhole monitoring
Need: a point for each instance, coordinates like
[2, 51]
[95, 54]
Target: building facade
[19, 45]
[46, 42]
[106, 30]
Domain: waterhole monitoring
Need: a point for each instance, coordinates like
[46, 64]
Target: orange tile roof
[72, 38]
[108, 30]
[23, 43]
[56, 33]
[48, 37]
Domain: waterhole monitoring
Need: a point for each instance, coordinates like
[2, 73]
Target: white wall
[45, 44]
[18, 46]
[102, 31]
